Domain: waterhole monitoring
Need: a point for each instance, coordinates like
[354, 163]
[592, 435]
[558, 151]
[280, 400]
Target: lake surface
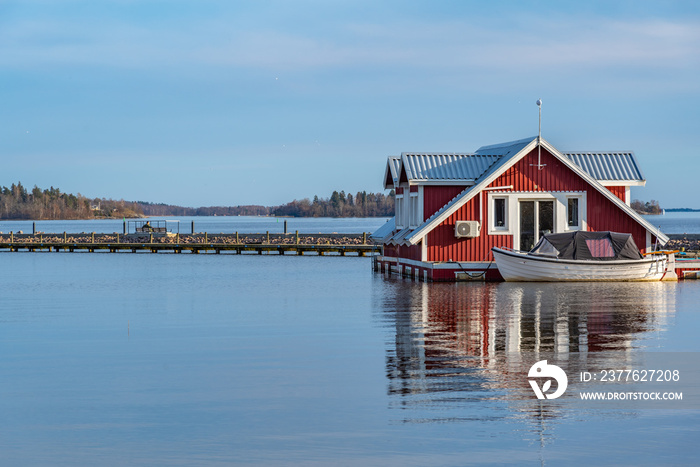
[677, 222]
[671, 223]
[209, 224]
[164, 359]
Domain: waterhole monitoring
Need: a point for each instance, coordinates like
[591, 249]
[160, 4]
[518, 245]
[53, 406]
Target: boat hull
[518, 267]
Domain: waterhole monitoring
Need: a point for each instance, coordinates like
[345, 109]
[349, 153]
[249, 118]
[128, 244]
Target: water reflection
[462, 351]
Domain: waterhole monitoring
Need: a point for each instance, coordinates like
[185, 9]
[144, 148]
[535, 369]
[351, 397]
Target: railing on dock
[237, 243]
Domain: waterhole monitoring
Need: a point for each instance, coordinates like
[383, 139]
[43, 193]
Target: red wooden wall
[618, 191]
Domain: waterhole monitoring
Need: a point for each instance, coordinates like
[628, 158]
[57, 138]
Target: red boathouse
[451, 209]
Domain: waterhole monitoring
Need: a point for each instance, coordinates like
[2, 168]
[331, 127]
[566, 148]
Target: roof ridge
[506, 144]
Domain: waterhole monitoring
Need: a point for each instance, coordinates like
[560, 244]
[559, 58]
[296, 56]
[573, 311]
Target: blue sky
[260, 102]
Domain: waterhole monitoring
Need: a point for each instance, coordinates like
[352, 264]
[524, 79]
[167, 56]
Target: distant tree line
[363, 204]
[650, 207]
[160, 209]
[16, 202]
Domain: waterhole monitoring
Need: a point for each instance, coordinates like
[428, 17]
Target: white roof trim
[390, 168]
[622, 182]
[452, 206]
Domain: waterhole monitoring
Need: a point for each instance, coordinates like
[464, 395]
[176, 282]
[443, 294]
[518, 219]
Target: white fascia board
[605, 192]
[622, 182]
[390, 171]
[466, 195]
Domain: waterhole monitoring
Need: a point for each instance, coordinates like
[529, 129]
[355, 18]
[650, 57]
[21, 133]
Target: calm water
[143, 359]
[210, 224]
[671, 223]
[677, 222]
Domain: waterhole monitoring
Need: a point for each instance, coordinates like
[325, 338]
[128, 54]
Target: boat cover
[601, 246]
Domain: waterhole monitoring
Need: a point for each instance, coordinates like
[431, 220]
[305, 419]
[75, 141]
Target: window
[399, 211]
[600, 248]
[499, 212]
[413, 210]
[572, 212]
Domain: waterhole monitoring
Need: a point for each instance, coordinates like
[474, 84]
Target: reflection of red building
[484, 336]
[451, 209]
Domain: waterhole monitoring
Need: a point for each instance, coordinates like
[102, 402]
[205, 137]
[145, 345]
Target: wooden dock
[279, 244]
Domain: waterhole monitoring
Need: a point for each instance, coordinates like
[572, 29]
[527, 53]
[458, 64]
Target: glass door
[536, 219]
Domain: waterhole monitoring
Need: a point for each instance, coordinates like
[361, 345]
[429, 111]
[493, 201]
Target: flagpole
[539, 135]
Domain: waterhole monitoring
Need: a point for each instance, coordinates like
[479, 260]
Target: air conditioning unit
[467, 229]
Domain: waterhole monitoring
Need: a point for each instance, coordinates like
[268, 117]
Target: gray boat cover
[600, 246]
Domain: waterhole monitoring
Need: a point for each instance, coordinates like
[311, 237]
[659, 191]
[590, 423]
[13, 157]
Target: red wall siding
[618, 191]
[444, 246]
[435, 197]
[409, 252]
[403, 251]
[602, 214]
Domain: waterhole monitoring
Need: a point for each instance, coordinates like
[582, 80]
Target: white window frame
[399, 214]
[413, 210]
[579, 223]
[513, 198]
[506, 211]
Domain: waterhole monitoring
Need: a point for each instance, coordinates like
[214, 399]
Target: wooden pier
[279, 244]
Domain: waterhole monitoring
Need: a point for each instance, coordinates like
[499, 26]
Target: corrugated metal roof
[384, 232]
[602, 166]
[608, 166]
[395, 162]
[446, 166]
[505, 149]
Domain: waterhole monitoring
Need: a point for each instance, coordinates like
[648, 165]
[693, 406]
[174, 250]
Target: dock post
[268, 236]
[150, 238]
[237, 237]
[177, 237]
[64, 237]
[297, 238]
[364, 238]
[206, 237]
[12, 237]
[117, 238]
[285, 226]
[124, 228]
[33, 228]
[192, 227]
[92, 237]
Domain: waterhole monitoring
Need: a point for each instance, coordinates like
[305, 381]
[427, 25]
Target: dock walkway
[281, 244]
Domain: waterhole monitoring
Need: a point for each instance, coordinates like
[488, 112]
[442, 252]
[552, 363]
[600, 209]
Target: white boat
[583, 256]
